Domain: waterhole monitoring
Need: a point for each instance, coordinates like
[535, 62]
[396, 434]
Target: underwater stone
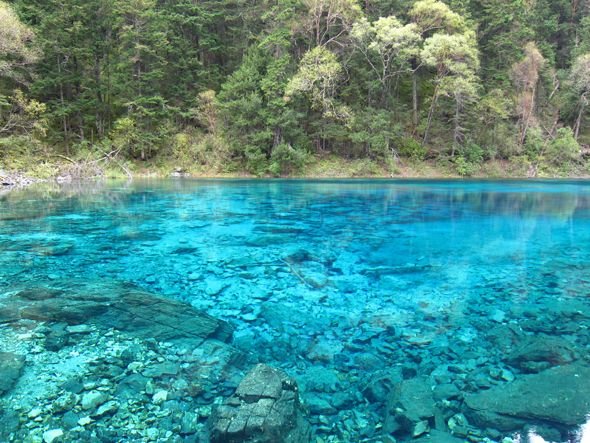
[9, 421]
[52, 435]
[214, 286]
[189, 422]
[108, 408]
[57, 337]
[64, 402]
[159, 370]
[152, 434]
[264, 409]
[324, 351]
[11, 367]
[160, 397]
[93, 399]
[320, 379]
[539, 352]
[558, 395]
[410, 402]
[436, 436]
[70, 420]
[119, 306]
[421, 428]
[446, 391]
[319, 405]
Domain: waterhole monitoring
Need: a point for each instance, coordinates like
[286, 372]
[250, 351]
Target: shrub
[534, 143]
[285, 159]
[411, 149]
[473, 153]
[465, 168]
[564, 149]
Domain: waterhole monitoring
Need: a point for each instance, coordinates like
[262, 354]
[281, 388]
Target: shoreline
[343, 170]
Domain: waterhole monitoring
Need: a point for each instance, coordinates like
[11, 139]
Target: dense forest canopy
[265, 86]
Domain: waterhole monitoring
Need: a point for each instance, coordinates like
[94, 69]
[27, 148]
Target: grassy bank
[324, 167]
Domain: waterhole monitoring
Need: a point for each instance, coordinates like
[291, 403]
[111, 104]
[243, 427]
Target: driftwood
[90, 167]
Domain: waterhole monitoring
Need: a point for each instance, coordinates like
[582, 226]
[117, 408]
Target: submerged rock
[11, 366]
[112, 305]
[264, 409]
[410, 403]
[52, 435]
[558, 396]
[93, 399]
[539, 352]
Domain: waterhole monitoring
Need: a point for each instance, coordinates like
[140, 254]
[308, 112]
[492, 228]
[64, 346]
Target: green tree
[525, 76]
[580, 83]
[17, 52]
[455, 61]
[388, 46]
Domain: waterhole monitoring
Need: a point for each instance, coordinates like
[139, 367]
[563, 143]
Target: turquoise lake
[405, 311]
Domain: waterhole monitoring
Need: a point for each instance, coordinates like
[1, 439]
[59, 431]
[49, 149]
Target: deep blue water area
[443, 311]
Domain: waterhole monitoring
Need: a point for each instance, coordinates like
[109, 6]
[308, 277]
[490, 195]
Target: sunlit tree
[17, 52]
[580, 79]
[525, 76]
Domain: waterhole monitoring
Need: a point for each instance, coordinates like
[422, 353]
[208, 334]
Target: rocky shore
[15, 180]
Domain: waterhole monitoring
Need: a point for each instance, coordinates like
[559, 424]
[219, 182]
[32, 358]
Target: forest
[272, 88]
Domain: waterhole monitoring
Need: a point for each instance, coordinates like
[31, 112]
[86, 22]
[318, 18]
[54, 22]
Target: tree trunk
[457, 135]
[61, 96]
[430, 114]
[415, 99]
[527, 116]
[578, 125]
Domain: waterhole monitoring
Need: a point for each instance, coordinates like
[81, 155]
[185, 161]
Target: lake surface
[442, 311]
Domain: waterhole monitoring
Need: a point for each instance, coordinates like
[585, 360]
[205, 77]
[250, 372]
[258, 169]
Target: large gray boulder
[558, 396]
[264, 409]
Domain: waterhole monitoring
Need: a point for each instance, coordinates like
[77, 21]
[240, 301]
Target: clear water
[339, 283]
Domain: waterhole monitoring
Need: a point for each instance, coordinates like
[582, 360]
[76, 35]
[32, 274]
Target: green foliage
[411, 149]
[473, 153]
[564, 150]
[286, 160]
[317, 79]
[534, 144]
[262, 86]
[465, 168]
[16, 49]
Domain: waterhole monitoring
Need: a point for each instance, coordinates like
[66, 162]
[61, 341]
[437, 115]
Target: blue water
[339, 283]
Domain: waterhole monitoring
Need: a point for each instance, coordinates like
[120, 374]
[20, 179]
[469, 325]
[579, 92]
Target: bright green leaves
[455, 54]
[329, 21]
[580, 74]
[21, 115]
[317, 78]
[16, 49]
[388, 46]
[434, 15]
[580, 81]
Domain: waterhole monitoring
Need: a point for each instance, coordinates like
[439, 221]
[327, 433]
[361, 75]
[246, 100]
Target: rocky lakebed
[107, 362]
[222, 313]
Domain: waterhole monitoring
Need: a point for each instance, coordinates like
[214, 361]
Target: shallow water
[360, 290]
